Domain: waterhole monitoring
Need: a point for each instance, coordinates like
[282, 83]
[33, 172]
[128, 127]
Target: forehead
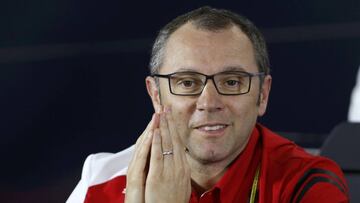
[207, 51]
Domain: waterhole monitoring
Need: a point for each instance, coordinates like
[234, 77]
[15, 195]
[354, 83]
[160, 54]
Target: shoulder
[281, 151]
[322, 181]
[299, 175]
[99, 169]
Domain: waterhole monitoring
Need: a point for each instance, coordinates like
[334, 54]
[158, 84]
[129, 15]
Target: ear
[264, 95]
[153, 93]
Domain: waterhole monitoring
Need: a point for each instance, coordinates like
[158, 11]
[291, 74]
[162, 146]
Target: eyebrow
[228, 68]
[234, 68]
[186, 70]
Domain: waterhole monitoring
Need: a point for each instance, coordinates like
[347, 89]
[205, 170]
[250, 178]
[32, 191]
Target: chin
[212, 155]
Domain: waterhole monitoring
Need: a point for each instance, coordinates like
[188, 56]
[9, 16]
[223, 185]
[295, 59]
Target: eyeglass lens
[226, 83]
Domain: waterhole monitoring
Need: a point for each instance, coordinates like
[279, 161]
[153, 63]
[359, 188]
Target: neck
[204, 176]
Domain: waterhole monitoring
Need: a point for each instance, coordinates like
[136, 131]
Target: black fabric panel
[316, 171]
[313, 182]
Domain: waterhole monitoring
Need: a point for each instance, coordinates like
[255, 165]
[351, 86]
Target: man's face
[213, 127]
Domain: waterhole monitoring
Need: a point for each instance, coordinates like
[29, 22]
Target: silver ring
[170, 152]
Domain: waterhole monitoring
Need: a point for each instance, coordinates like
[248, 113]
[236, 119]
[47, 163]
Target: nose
[209, 100]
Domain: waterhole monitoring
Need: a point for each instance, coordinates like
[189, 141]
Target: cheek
[245, 110]
[182, 111]
[182, 108]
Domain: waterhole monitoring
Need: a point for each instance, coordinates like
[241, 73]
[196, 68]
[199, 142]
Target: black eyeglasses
[226, 83]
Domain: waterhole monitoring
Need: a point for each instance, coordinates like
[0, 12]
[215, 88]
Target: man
[209, 82]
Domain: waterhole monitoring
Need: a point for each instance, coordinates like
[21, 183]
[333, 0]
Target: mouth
[212, 129]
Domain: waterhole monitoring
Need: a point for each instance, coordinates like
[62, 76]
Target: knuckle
[153, 179]
[158, 157]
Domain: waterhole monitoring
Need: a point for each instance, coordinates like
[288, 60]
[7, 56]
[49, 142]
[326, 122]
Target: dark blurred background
[72, 79]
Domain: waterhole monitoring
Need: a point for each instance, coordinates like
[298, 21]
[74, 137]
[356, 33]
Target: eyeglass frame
[207, 77]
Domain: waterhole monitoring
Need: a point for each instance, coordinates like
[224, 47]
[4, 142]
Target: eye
[187, 83]
[232, 83]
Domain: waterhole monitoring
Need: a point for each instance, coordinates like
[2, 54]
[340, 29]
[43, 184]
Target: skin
[209, 152]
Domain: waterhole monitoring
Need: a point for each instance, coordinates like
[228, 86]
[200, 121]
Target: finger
[137, 167]
[156, 157]
[154, 123]
[178, 147]
[137, 170]
[164, 132]
[144, 145]
[139, 148]
[167, 144]
[136, 175]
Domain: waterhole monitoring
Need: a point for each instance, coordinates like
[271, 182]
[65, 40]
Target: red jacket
[287, 174]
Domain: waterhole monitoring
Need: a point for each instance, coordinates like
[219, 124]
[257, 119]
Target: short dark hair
[211, 19]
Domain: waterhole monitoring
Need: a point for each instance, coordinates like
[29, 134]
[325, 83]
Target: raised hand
[158, 171]
[138, 167]
[169, 178]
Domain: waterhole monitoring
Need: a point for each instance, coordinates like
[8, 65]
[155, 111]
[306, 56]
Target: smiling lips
[212, 129]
